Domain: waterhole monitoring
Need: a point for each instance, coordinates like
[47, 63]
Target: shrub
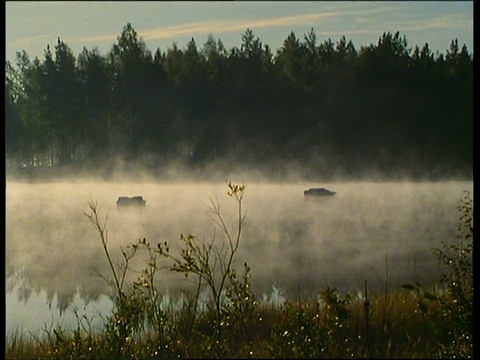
[456, 304]
[447, 317]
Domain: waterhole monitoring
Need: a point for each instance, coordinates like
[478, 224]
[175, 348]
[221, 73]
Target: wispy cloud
[24, 41]
[441, 22]
[364, 26]
[364, 20]
[224, 26]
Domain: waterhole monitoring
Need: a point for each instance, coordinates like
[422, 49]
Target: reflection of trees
[24, 293]
[63, 293]
[62, 271]
[64, 299]
[61, 275]
[51, 247]
[12, 277]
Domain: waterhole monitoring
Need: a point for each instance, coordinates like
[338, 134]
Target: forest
[325, 108]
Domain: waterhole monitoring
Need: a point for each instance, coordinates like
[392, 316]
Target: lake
[379, 232]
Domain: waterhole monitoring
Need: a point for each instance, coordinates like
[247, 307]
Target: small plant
[131, 306]
[211, 262]
[337, 314]
[423, 299]
[457, 302]
[453, 308]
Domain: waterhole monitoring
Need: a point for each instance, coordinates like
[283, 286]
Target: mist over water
[295, 243]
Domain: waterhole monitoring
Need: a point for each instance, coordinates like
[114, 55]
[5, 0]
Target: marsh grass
[230, 322]
[22, 346]
[306, 329]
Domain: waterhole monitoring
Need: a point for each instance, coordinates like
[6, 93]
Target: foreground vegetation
[409, 322]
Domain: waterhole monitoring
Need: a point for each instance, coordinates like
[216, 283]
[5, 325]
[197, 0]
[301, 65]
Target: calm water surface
[367, 231]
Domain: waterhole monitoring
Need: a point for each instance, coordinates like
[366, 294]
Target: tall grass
[220, 317]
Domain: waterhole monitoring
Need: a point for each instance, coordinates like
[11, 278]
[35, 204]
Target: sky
[32, 25]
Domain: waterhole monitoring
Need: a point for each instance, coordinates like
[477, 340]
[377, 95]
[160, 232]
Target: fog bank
[295, 243]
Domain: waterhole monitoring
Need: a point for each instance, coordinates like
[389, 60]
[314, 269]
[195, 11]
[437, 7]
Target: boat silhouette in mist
[125, 202]
[318, 192]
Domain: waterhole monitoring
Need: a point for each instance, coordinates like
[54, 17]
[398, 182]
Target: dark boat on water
[318, 192]
[134, 202]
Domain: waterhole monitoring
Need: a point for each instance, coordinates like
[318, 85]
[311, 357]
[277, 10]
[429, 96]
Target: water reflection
[298, 244]
[35, 313]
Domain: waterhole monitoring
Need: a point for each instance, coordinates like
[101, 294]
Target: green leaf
[408, 286]
[423, 307]
[430, 296]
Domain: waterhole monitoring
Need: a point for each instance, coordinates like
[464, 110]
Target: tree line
[325, 106]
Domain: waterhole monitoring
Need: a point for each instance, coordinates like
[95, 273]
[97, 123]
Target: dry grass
[302, 329]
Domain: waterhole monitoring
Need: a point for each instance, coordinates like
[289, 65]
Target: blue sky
[32, 25]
